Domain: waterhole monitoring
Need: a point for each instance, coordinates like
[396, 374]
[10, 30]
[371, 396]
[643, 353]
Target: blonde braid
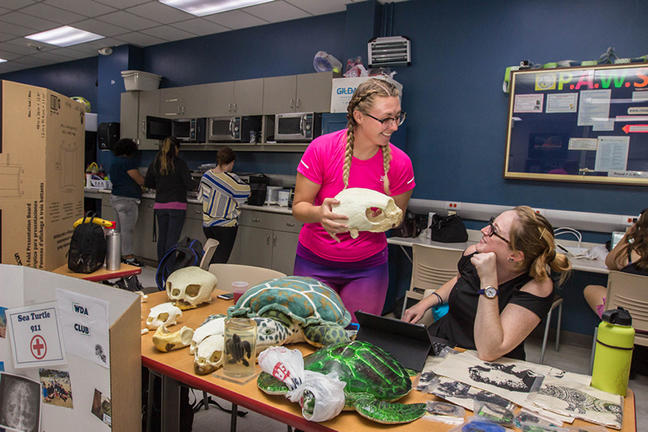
[386, 153]
[348, 156]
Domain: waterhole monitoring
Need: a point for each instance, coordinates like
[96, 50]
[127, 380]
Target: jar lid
[618, 316]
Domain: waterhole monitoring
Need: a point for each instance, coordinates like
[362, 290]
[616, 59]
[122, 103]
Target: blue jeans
[170, 224]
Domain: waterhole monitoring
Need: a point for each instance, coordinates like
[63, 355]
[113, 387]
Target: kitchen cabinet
[128, 114]
[267, 240]
[184, 102]
[144, 245]
[192, 227]
[232, 98]
[297, 93]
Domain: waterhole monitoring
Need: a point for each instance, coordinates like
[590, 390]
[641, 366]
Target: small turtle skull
[358, 205]
[163, 314]
[190, 286]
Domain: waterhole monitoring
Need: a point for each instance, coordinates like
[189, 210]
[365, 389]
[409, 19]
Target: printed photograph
[96, 405]
[3, 322]
[19, 403]
[57, 388]
[102, 408]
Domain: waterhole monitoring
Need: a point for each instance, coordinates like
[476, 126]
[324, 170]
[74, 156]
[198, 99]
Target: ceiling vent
[389, 51]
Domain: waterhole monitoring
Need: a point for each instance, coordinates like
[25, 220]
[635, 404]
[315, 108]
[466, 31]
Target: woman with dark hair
[126, 194]
[503, 287]
[630, 255]
[170, 177]
[222, 192]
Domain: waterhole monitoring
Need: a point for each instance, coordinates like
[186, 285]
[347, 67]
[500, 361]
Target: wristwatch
[490, 292]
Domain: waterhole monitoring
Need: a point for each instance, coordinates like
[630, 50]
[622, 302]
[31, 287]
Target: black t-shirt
[457, 325]
[172, 187]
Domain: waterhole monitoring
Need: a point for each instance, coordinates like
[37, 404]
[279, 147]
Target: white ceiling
[137, 22]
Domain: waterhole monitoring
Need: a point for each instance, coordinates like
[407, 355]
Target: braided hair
[363, 99]
[533, 235]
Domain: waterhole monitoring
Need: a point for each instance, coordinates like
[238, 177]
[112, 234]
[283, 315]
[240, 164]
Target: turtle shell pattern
[305, 300]
[364, 367]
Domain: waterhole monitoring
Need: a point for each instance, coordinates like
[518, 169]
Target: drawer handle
[290, 224]
[256, 220]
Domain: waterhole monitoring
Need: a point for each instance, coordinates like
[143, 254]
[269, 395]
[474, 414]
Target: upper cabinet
[181, 102]
[297, 93]
[234, 98]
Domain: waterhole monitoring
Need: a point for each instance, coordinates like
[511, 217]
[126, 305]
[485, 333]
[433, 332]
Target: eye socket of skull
[192, 290]
[215, 356]
[164, 316]
[374, 214]
[175, 292]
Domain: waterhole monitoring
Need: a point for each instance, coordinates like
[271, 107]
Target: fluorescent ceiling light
[208, 7]
[64, 36]
[2, 60]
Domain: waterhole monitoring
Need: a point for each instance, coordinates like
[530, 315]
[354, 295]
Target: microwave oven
[297, 126]
[233, 129]
[185, 130]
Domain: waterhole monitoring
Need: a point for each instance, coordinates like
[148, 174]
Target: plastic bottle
[113, 249]
[614, 344]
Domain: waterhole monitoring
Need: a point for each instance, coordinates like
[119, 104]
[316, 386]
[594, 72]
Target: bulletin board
[580, 124]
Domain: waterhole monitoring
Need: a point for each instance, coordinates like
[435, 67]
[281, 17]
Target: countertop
[100, 193]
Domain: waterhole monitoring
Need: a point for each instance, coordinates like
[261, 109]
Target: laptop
[409, 343]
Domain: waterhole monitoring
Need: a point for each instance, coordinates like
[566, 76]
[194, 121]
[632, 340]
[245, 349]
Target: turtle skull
[213, 327]
[163, 314]
[209, 355]
[359, 205]
[190, 286]
[166, 341]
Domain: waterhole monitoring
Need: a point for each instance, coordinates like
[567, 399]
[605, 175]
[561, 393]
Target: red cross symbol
[38, 347]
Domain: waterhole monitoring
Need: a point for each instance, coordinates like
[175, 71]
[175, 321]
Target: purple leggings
[360, 287]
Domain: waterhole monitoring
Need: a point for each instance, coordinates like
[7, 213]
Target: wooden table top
[179, 365]
[102, 273]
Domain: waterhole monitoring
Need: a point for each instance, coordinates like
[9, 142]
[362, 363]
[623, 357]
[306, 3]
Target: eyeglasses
[388, 120]
[493, 230]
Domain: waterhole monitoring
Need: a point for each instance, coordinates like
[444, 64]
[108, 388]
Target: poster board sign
[579, 124]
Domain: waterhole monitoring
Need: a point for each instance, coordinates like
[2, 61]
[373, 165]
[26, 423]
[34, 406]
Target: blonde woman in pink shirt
[359, 156]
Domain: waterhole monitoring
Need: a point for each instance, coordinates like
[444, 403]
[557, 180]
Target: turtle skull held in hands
[367, 210]
[190, 286]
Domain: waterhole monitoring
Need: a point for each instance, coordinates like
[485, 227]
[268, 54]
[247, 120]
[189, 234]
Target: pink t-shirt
[323, 163]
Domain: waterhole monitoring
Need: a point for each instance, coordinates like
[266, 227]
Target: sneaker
[132, 261]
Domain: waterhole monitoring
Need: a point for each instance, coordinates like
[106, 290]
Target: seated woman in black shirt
[502, 290]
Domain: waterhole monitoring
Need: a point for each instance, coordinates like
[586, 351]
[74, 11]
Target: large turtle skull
[190, 286]
[163, 314]
[358, 204]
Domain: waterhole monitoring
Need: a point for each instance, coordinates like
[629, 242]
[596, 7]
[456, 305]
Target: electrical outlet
[453, 206]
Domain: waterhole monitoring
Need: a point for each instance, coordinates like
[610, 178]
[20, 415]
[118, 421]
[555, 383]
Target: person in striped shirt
[222, 192]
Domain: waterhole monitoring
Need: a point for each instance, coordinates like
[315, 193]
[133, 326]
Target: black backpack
[187, 252]
[87, 247]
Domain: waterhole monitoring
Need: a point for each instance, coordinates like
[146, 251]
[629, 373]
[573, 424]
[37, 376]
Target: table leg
[170, 417]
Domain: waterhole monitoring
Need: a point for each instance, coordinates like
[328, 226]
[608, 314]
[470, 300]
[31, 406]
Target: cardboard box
[41, 174]
[343, 88]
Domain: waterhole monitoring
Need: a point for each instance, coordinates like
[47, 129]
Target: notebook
[409, 343]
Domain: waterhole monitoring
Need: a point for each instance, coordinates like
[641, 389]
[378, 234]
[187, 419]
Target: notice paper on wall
[612, 153]
[594, 107]
[35, 336]
[84, 321]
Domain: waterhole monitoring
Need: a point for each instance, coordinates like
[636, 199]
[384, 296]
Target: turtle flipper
[271, 385]
[388, 412]
[320, 335]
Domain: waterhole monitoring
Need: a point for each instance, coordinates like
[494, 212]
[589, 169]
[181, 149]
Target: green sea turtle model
[309, 310]
[374, 380]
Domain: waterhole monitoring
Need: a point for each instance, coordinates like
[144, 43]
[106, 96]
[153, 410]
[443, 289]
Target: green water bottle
[614, 344]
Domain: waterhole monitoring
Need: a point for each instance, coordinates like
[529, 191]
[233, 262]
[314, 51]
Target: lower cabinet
[267, 240]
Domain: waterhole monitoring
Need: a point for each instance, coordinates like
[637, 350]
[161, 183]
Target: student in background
[358, 156]
[126, 194]
[502, 290]
[170, 177]
[630, 255]
[222, 192]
